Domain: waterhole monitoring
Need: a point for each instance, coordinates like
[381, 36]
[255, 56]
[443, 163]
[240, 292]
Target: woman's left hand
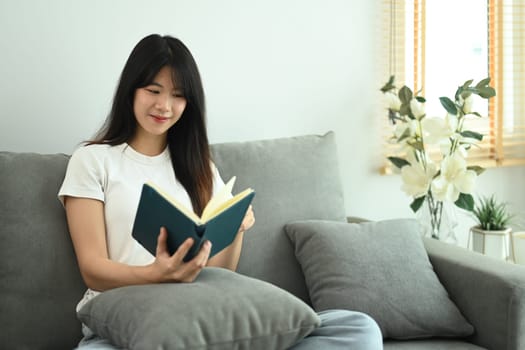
[248, 221]
[229, 257]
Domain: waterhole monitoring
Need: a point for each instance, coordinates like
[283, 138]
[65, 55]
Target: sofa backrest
[40, 281]
[294, 178]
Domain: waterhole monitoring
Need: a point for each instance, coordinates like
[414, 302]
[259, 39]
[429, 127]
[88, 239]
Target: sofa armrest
[490, 293]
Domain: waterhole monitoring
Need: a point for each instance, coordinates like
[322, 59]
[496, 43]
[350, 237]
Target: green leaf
[398, 162]
[405, 95]
[417, 203]
[472, 135]
[421, 99]
[465, 94]
[449, 105]
[467, 83]
[483, 82]
[486, 92]
[476, 114]
[389, 85]
[492, 214]
[479, 170]
[465, 201]
[404, 135]
[418, 145]
[459, 92]
[405, 110]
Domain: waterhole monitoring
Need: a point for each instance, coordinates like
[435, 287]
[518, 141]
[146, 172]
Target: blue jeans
[343, 329]
[340, 329]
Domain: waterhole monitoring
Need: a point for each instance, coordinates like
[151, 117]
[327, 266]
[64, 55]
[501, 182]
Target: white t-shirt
[115, 175]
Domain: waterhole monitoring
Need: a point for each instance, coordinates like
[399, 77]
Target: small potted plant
[492, 234]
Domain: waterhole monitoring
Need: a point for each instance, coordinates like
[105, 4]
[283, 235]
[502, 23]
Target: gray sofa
[296, 178]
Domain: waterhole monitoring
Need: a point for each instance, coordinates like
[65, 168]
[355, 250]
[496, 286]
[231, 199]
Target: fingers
[203, 255]
[173, 268]
[162, 247]
[182, 250]
[248, 221]
[191, 269]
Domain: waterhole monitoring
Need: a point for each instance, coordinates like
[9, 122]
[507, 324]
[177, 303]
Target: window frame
[501, 146]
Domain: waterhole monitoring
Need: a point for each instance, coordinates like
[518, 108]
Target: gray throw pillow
[219, 310]
[379, 268]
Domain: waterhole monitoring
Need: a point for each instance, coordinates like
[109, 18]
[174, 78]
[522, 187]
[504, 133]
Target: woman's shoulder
[96, 153]
[97, 150]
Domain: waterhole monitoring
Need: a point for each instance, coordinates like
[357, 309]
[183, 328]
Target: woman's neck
[148, 146]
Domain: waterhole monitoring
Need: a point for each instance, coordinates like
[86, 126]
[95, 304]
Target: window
[436, 45]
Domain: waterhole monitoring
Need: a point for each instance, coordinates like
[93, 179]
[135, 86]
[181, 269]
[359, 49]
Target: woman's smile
[158, 105]
[160, 119]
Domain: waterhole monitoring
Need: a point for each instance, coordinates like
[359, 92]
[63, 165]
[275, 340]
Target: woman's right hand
[88, 232]
[173, 268]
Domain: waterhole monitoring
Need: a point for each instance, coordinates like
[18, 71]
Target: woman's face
[158, 106]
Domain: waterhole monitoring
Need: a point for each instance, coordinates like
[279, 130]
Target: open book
[219, 222]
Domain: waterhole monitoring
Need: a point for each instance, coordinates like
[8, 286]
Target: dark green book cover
[156, 210]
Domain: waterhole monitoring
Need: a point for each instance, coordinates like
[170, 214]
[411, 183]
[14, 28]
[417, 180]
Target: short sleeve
[85, 175]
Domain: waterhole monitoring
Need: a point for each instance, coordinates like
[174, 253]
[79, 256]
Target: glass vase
[438, 220]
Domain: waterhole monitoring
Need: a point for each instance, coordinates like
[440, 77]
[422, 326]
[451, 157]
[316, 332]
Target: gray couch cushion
[379, 268]
[220, 310]
[295, 178]
[41, 283]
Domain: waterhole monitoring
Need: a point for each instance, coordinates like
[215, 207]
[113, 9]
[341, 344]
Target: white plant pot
[496, 244]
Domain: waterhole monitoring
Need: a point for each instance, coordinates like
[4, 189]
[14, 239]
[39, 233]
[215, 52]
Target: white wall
[271, 68]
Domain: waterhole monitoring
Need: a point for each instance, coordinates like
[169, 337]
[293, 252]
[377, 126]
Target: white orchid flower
[442, 131]
[417, 179]
[417, 108]
[393, 101]
[406, 134]
[462, 150]
[409, 128]
[454, 179]
[438, 130]
[443, 190]
[462, 147]
[451, 122]
[412, 158]
[434, 130]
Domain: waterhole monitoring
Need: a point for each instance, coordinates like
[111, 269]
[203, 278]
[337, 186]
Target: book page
[228, 203]
[218, 199]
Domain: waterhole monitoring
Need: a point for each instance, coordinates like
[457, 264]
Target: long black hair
[187, 139]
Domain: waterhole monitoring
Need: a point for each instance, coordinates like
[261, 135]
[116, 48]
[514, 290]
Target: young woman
[156, 131]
